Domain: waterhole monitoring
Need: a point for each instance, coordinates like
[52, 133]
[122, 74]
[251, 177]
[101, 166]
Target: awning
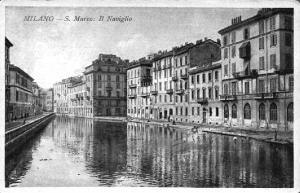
[244, 45]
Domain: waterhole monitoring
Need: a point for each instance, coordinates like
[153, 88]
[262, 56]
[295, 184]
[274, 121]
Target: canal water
[83, 152]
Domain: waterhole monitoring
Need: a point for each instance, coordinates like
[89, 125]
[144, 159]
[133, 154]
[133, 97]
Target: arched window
[226, 112]
[234, 111]
[290, 112]
[273, 112]
[247, 111]
[226, 89]
[262, 112]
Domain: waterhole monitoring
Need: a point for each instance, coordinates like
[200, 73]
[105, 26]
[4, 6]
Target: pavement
[14, 124]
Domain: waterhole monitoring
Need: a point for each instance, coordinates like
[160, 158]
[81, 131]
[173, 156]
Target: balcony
[184, 76]
[108, 88]
[170, 91]
[132, 86]
[154, 92]
[132, 96]
[144, 95]
[245, 74]
[263, 96]
[146, 79]
[228, 97]
[175, 78]
[179, 91]
[202, 101]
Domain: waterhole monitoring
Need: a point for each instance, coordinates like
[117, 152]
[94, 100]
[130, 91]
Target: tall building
[257, 70]
[8, 44]
[60, 91]
[171, 88]
[106, 81]
[49, 100]
[20, 99]
[205, 88]
[36, 99]
[139, 83]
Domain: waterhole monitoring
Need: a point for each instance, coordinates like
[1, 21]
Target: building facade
[37, 101]
[205, 88]
[139, 83]
[257, 70]
[8, 44]
[20, 97]
[49, 100]
[106, 83]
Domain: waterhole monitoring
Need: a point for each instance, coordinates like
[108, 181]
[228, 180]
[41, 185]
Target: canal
[83, 152]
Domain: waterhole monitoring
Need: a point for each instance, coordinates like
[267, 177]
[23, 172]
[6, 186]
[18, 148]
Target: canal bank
[16, 137]
[282, 137]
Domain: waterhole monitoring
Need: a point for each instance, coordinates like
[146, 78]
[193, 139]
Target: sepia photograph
[193, 97]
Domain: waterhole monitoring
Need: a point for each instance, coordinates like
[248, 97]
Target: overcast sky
[51, 51]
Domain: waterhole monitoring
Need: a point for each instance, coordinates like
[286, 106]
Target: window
[209, 77]
[262, 111]
[181, 111]
[192, 79]
[261, 63]
[226, 111]
[209, 93]
[288, 39]
[273, 40]
[261, 27]
[273, 61]
[198, 93]
[247, 111]
[165, 73]
[261, 86]
[233, 52]
[234, 111]
[273, 84]
[203, 93]
[261, 43]
[176, 110]
[233, 37]
[210, 111]
[118, 78]
[166, 85]
[186, 111]
[272, 23]
[291, 83]
[247, 88]
[180, 61]
[226, 89]
[118, 85]
[160, 98]
[225, 53]
[192, 110]
[217, 111]
[198, 79]
[234, 88]
[216, 75]
[288, 23]
[233, 68]
[186, 98]
[185, 59]
[288, 61]
[193, 94]
[203, 78]
[290, 112]
[226, 70]
[225, 41]
[198, 110]
[246, 33]
[273, 112]
[165, 98]
[216, 92]
[108, 78]
[160, 86]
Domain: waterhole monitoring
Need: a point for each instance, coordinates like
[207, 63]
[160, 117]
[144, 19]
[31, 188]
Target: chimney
[219, 41]
[205, 38]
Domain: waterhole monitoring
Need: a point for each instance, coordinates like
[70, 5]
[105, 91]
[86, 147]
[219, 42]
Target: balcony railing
[245, 74]
[184, 76]
[154, 92]
[228, 97]
[132, 96]
[179, 91]
[132, 86]
[175, 78]
[262, 96]
[145, 94]
[170, 91]
[202, 101]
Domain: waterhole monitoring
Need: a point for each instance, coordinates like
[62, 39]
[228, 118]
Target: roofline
[16, 68]
[7, 42]
[206, 68]
[256, 18]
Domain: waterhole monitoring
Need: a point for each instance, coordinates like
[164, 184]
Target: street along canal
[83, 152]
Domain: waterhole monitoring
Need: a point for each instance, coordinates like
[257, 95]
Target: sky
[52, 51]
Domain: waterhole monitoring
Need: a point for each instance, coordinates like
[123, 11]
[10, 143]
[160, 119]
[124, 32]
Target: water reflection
[83, 152]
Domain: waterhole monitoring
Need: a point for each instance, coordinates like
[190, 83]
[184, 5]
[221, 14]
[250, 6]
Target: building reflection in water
[136, 154]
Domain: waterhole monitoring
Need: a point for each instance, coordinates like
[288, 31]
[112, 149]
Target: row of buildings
[23, 96]
[245, 79]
